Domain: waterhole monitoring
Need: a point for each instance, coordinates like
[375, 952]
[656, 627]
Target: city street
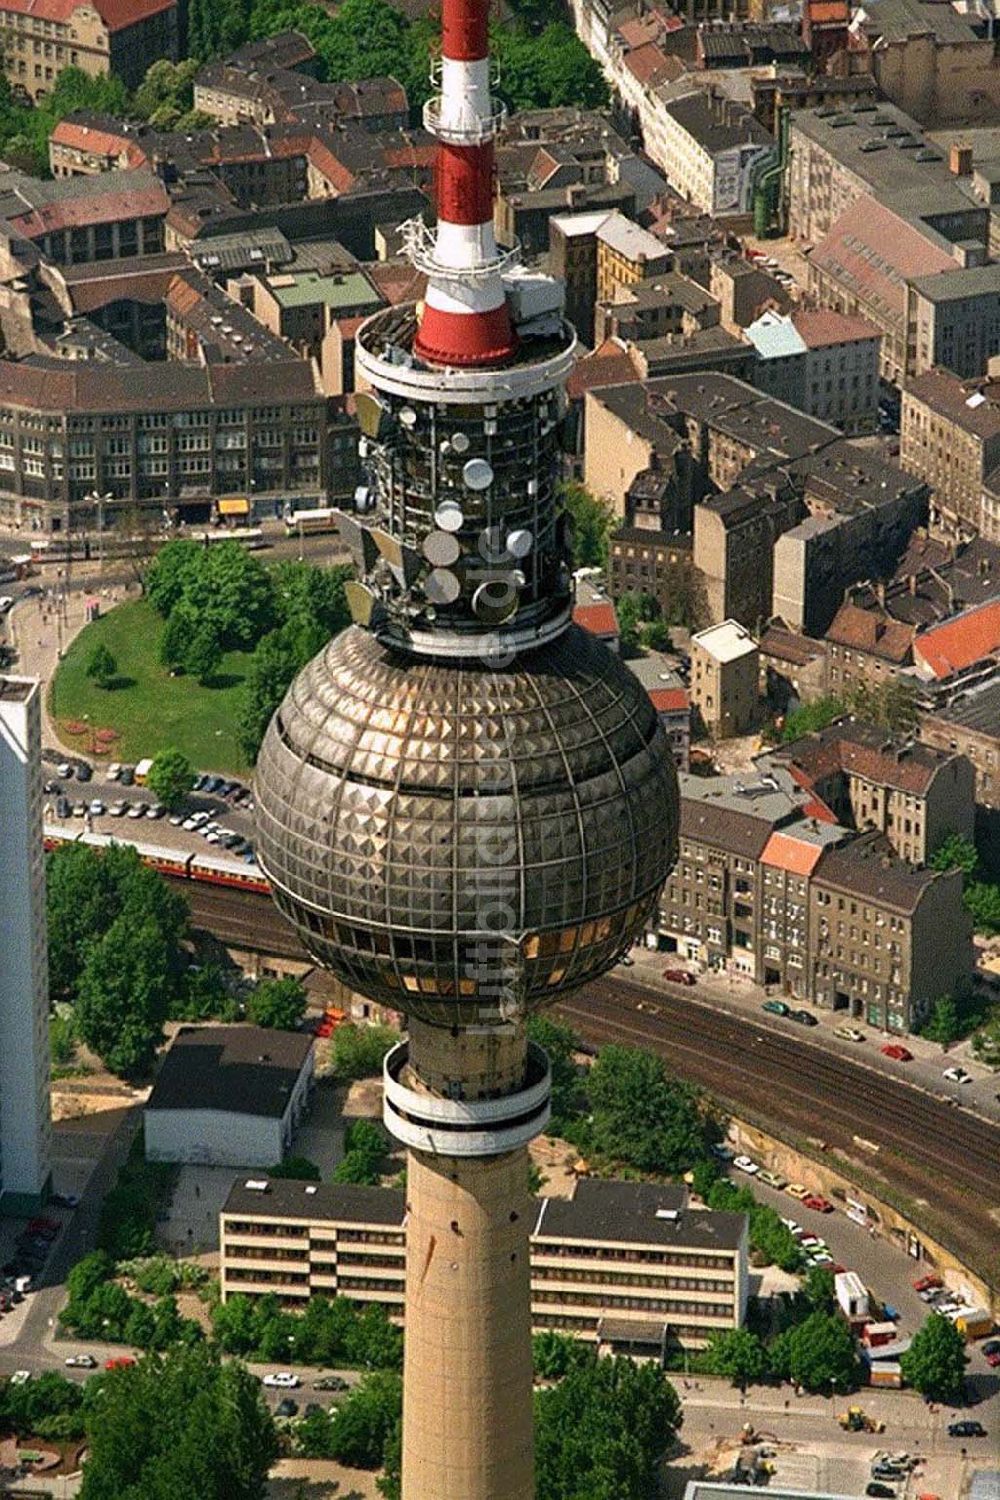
[741, 996]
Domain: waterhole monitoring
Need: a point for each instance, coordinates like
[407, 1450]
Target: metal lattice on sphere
[454, 840]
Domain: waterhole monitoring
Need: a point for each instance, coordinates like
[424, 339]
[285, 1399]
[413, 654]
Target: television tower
[465, 803]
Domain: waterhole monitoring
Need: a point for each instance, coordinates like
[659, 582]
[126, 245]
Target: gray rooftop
[642, 1213]
[898, 20]
[717, 124]
[869, 867]
[957, 285]
[245, 1070]
[976, 708]
[284, 1198]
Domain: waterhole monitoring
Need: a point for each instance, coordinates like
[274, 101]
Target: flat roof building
[724, 678]
[229, 1096]
[631, 1266]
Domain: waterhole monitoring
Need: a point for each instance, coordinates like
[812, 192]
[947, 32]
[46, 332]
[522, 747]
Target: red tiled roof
[599, 619]
[786, 852]
[820, 327]
[646, 63]
[898, 250]
[96, 208]
[815, 807]
[670, 700]
[609, 364]
[958, 643]
[821, 11]
[116, 14]
[98, 142]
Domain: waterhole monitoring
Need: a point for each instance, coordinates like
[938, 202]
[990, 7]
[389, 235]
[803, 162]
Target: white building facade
[25, 1121]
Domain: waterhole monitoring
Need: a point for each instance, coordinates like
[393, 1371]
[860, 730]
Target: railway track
[931, 1152]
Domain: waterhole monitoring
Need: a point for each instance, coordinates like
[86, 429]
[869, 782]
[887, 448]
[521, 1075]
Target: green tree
[812, 717]
[176, 1425]
[549, 69]
[738, 1354]
[124, 996]
[819, 1354]
[365, 1420]
[167, 89]
[982, 902]
[357, 1051]
[555, 1354]
[641, 1115]
[592, 525]
[655, 635]
[313, 1435]
[171, 575]
[203, 654]
[234, 1324]
[81, 902]
[935, 1362]
[304, 592]
[560, 1042]
[772, 1240]
[600, 1432]
[278, 1004]
[101, 667]
[818, 1288]
[170, 777]
[232, 591]
[178, 632]
[956, 853]
[272, 668]
[890, 705]
[364, 1153]
[42, 1406]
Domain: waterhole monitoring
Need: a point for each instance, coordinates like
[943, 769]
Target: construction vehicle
[856, 1419]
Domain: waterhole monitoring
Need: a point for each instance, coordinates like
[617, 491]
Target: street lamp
[100, 501]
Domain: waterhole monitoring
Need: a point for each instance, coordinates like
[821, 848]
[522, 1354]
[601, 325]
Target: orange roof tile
[788, 853]
[599, 619]
[958, 643]
[116, 14]
[669, 700]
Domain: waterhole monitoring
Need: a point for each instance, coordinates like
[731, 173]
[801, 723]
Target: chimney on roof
[912, 582]
[960, 159]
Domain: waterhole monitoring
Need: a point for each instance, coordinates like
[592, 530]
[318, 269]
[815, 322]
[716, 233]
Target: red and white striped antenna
[465, 319]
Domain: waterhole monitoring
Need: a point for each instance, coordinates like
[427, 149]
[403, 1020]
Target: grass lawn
[149, 708]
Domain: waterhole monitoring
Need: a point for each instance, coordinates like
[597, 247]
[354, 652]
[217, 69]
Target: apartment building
[25, 1128]
[964, 719]
[768, 884]
[708, 147]
[83, 219]
[724, 678]
[887, 940]
[167, 435]
[630, 1266]
[865, 647]
[671, 700]
[792, 667]
[953, 321]
[950, 437]
[627, 254]
[913, 793]
[43, 37]
[875, 149]
[825, 363]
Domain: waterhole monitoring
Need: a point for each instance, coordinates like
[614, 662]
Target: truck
[142, 770]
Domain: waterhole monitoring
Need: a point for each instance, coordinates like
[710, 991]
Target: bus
[305, 522]
[250, 537]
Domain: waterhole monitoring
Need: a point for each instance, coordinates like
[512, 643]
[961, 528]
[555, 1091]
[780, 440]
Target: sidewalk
[741, 996]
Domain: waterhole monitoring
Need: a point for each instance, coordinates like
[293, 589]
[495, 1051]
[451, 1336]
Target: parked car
[137, 810]
[156, 811]
[966, 1429]
[97, 808]
[882, 1491]
[991, 1352]
[818, 1202]
[776, 1008]
[52, 787]
[286, 1408]
[20, 1377]
[118, 809]
[927, 1283]
[796, 1190]
[331, 1383]
[198, 785]
[114, 770]
[678, 976]
[84, 772]
[81, 1362]
[79, 809]
[772, 1179]
[897, 1051]
[745, 1164]
[119, 1362]
[957, 1075]
[804, 1017]
[282, 1380]
[65, 1200]
[127, 777]
[849, 1034]
[64, 769]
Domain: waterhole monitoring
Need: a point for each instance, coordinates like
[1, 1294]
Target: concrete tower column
[458, 1102]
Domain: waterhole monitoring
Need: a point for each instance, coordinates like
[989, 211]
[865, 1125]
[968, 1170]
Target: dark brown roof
[787, 645]
[868, 867]
[737, 833]
[245, 1070]
[974, 406]
[850, 747]
[871, 631]
[68, 386]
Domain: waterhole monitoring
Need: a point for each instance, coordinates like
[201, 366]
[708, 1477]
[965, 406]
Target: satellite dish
[449, 516]
[477, 474]
[407, 416]
[460, 442]
[441, 549]
[442, 587]
[520, 543]
[495, 601]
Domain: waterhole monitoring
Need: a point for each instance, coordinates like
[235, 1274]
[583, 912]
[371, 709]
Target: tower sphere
[462, 842]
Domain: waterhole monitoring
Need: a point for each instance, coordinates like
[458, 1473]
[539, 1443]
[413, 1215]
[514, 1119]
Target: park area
[147, 707]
